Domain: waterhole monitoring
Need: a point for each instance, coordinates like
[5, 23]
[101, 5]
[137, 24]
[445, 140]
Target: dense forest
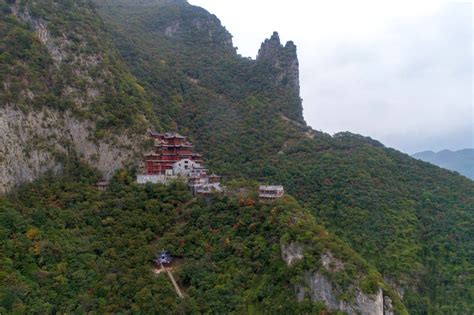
[79, 72]
[69, 248]
[408, 218]
[396, 223]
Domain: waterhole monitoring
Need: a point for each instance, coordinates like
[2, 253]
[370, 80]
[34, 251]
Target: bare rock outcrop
[321, 290]
[36, 142]
[282, 58]
[35, 135]
[291, 252]
[281, 67]
[318, 287]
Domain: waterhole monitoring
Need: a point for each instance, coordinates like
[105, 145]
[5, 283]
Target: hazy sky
[397, 71]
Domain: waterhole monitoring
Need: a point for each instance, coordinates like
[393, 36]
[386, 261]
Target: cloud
[409, 83]
[400, 72]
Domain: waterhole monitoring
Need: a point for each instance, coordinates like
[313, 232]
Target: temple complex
[172, 158]
[169, 148]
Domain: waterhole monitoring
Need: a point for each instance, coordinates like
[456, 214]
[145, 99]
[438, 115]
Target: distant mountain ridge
[461, 161]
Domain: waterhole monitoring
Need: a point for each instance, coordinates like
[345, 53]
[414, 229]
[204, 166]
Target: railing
[270, 195]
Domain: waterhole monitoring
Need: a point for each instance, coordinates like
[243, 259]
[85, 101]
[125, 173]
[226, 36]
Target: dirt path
[170, 275]
[175, 285]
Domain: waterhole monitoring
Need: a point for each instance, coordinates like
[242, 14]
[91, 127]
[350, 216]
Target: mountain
[461, 161]
[65, 91]
[405, 217]
[73, 249]
[399, 228]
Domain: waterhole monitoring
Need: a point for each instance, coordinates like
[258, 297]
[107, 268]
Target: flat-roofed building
[187, 167]
[207, 189]
[270, 192]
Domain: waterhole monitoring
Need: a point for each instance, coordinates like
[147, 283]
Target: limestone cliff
[36, 142]
[319, 288]
[283, 58]
[63, 93]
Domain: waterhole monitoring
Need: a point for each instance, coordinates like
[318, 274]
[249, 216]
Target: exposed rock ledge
[291, 252]
[30, 144]
[320, 289]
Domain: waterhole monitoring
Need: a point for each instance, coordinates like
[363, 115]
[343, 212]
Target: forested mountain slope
[68, 248]
[68, 98]
[80, 87]
[64, 91]
[408, 218]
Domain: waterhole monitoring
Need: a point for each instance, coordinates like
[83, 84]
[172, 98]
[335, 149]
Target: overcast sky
[397, 71]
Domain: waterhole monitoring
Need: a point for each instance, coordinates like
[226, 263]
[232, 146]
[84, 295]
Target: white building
[187, 167]
[193, 173]
[270, 192]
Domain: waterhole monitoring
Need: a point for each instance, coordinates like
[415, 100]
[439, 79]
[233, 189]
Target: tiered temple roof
[169, 148]
[173, 158]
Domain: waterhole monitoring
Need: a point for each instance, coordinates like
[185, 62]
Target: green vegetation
[24, 63]
[409, 219]
[68, 248]
[155, 39]
[78, 69]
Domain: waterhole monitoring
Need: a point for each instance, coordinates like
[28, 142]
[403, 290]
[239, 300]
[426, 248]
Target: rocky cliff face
[77, 72]
[206, 28]
[284, 74]
[38, 135]
[318, 287]
[284, 59]
[176, 21]
[36, 142]
[321, 289]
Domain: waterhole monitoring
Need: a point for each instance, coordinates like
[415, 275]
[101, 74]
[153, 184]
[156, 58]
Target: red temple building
[173, 158]
[169, 148]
